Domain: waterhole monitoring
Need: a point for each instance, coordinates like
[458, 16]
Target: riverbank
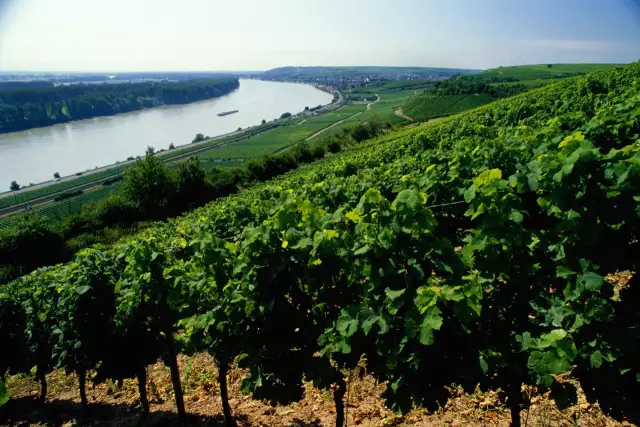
[11, 202]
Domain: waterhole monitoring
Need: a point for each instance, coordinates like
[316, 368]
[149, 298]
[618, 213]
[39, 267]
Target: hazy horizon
[251, 35]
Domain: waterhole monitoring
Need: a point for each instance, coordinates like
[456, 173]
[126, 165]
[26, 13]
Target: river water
[34, 155]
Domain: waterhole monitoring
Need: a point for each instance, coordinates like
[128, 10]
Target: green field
[425, 107]
[58, 211]
[542, 71]
[529, 83]
[407, 84]
[340, 114]
[21, 197]
[263, 144]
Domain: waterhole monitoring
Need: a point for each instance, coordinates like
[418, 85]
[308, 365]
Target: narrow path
[332, 125]
[301, 122]
[321, 131]
[400, 113]
[374, 102]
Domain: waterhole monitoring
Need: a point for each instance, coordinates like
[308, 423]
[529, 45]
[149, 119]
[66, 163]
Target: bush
[334, 146]
[285, 115]
[318, 151]
[191, 184]
[116, 209]
[302, 153]
[68, 195]
[221, 183]
[30, 244]
[112, 180]
[149, 185]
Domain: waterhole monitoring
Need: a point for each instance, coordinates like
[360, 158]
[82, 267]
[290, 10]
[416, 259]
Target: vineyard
[425, 107]
[60, 210]
[480, 251]
[543, 71]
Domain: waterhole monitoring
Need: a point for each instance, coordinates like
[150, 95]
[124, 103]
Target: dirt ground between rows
[112, 406]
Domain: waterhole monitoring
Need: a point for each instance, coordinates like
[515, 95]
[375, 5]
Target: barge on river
[226, 113]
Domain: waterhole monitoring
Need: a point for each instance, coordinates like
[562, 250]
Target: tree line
[24, 108]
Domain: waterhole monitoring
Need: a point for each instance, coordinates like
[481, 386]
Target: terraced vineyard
[427, 107]
[543, 71]
[470, 252]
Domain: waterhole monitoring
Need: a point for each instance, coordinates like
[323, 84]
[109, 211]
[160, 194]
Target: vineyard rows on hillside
[472, 252]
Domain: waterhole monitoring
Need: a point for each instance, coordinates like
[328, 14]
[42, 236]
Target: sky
[137, 35]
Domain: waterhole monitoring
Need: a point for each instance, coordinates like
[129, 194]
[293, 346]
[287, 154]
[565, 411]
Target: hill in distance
[291, 71]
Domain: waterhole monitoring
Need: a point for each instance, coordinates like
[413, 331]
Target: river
[34, 155]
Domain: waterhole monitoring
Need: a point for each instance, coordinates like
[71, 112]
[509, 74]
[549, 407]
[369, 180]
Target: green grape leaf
[593, 281]
[393, 295]
[595, 359]
[432, 321]
[4, 393]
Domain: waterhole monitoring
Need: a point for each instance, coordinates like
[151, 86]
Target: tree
[199, 137]
[264, 121]
[306, 108]
[171, 146]
[285, 115]
[150, 149]
[56, 175]
[14, 186]
[191, 183]
[148, 184]
[549, 65]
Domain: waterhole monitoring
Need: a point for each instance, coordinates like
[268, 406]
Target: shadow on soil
[29, 411]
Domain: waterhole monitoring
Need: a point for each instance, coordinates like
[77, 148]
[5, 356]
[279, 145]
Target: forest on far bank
[25, 108]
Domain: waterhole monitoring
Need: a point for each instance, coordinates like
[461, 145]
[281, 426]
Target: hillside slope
[544, 71]
[361, 71]
[477, 251]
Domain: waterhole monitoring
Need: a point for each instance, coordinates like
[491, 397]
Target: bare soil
[112, 406]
